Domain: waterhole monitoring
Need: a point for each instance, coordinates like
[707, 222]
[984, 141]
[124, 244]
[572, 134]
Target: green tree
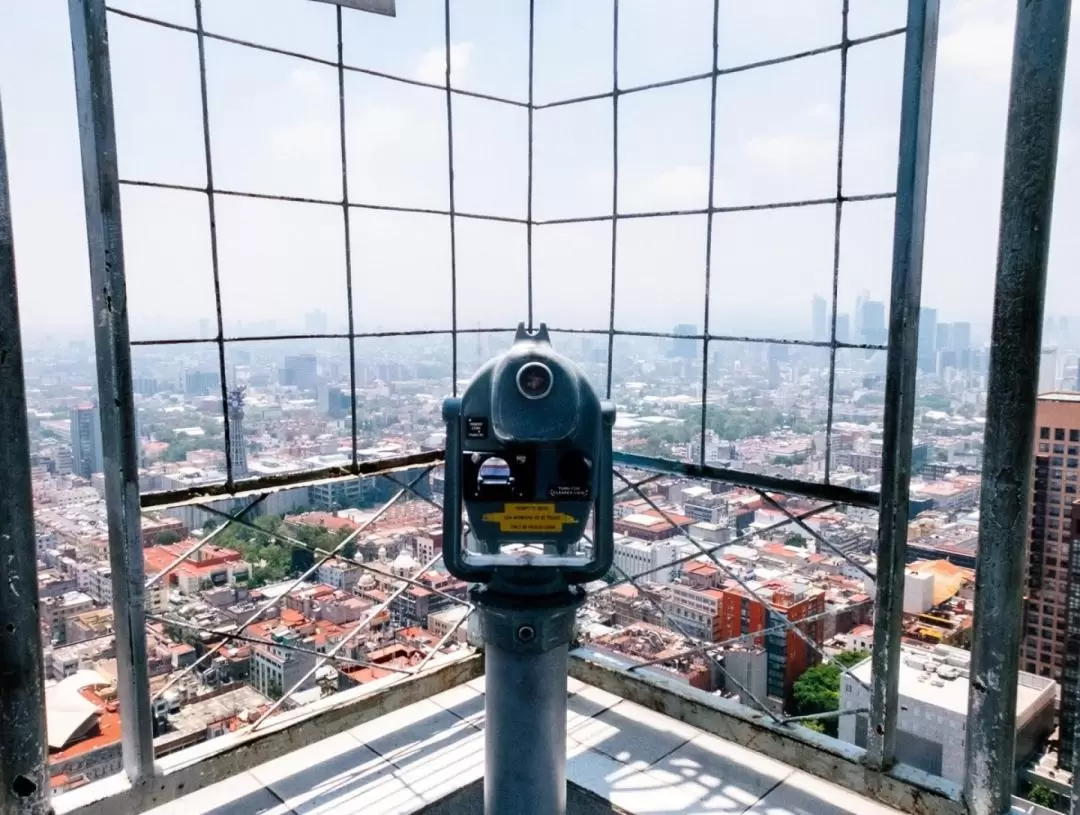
[1043, 796]
[795, 539]
[167, 537]
[818, 689]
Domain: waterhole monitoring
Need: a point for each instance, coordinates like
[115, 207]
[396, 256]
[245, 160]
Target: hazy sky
[274, 123]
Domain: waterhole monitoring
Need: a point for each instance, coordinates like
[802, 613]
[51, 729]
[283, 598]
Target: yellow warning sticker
[530, 518]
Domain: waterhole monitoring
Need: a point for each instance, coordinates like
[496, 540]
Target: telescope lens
[534, 380]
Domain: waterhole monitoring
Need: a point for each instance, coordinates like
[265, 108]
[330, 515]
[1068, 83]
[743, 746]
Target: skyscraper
[1047, 370]
[684, 348]
[820, 319]
[871, 320]
[928, 339]
[300, 371]
[85, 440]
[961, 337]
[1070, 674]
[1054, 490]
[943, 340]
[237, 443]
[843, 328]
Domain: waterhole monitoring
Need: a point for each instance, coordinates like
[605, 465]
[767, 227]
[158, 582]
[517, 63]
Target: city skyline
[774, 155]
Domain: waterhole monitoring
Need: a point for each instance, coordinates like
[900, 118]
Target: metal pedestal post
[526, 642]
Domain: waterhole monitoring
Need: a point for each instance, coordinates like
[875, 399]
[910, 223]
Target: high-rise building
[1070, 674]
[237, 443]
[1054, 489]
[872, 322]
[961, 337]
[684, 348]
[85, 440]
[943, 340]
[927, 340]
[201, 383]
[788, 654]
[300, 371]
[843, 328]
[1048, 370]
[334, 400]
[820, 316]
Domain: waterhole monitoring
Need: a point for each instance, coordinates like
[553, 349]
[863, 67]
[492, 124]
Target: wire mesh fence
[605, 341]
[709, 222]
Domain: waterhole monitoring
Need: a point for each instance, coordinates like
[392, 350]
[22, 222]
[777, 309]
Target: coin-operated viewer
[528, 453]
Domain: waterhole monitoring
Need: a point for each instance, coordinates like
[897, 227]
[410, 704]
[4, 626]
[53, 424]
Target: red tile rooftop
[106, 733]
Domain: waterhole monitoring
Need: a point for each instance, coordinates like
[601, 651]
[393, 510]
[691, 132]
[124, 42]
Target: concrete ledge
[902, 787]
[200, 766]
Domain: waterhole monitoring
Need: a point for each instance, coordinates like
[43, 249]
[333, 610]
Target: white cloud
[308, 81]
[432, 67]
[303, 139]
[786, 150]
[982, 46]
[682, 186]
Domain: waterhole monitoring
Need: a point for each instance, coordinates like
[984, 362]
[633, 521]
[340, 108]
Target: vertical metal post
[24, 777]
[920, 49]
[1031, 144]
[526, 646]
[101, 186]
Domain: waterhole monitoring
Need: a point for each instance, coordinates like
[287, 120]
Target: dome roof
[405, 561]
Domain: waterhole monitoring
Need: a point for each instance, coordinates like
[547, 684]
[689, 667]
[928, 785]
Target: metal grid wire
[842, 46]
[89, 18]
[837, 201]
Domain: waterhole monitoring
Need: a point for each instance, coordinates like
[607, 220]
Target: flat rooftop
[1061, 396]
[952, 694]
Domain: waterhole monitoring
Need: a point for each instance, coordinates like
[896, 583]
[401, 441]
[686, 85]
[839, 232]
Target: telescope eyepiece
[534, 380]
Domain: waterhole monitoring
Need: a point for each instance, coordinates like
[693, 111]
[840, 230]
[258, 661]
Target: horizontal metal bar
[197, 767]
[902, 786]
[428, 332]
[791, 486]
[286, 481]
[361, 335]
[329, 63]
[826, 714]
[328, 202]
[721, 210]
[733, 69]
[480, 216]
